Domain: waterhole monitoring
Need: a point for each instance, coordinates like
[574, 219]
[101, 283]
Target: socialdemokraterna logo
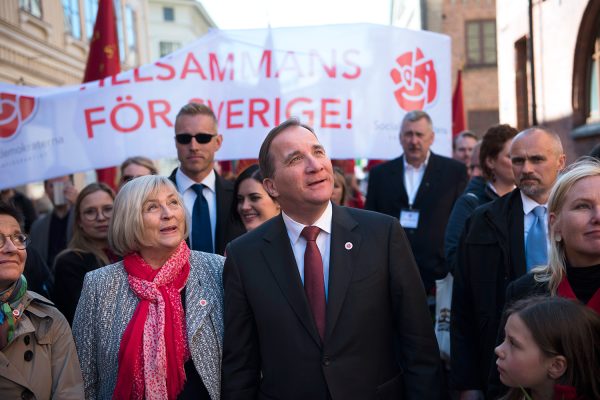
[415, 79]
[15, 111]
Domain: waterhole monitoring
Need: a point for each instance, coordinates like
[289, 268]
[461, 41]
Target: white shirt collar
[184, 182]
[422, 166]
[295, 228]
[529, 204]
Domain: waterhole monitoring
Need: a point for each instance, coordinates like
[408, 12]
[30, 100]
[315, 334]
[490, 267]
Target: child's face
[520, 360]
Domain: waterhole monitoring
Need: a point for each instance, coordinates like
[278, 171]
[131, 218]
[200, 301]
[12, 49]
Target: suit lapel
[200, 298]
[399, 179]
[517, 241]
[279, 256]
[341, 263]
[222, 213]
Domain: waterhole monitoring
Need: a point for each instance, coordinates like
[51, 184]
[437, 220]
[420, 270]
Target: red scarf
[154, 348]
[565, 290]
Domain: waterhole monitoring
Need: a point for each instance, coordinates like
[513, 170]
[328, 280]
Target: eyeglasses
[202, 138]
[91, 214]
[19, 240]
[127, 178]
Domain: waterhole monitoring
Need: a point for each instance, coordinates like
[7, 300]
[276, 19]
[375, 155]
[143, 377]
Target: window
[168, 47]
[594, 83]
[33, 7]
[168, 14]
[130, 25]
[72, 21]
[522, 84]
[481, 43]
[120, 36]
[90, 9]
[480, 120]
[130, 22]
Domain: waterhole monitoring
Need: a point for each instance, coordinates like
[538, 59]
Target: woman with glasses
[151, 326]
[38, 359]
[88, 249]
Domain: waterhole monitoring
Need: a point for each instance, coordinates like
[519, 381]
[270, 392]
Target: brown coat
[41, 362]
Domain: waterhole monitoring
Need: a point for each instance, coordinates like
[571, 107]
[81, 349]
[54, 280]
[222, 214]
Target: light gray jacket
[107, 304]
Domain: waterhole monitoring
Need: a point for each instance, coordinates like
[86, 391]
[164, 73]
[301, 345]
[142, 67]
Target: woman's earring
[558, 238]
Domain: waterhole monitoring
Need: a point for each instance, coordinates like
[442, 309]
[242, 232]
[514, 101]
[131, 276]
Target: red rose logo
[15, 110]
[416, 80]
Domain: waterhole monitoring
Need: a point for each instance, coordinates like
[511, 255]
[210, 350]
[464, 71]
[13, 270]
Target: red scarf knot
[154, 346]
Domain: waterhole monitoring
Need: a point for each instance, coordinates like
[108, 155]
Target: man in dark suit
[420, 189]
[197, 140]
[493, 251]
[340, 315]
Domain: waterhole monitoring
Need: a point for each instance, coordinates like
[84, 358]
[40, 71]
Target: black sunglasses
[202, 138]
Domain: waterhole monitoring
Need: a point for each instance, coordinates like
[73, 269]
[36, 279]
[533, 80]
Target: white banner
[352, 83]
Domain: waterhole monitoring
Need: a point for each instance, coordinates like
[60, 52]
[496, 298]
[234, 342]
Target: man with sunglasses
[207, 196]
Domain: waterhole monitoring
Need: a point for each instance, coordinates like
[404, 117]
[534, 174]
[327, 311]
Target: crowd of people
[277, 285]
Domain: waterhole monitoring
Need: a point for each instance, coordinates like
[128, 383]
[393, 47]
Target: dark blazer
[443, 182]
[70, 268]
[491, 254]
[379, 341]
[227, 227]
[476, 194]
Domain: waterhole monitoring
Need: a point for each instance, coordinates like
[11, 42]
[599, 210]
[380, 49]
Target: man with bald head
[501, 241]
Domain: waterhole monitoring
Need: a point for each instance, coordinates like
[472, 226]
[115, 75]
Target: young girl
[551, 350]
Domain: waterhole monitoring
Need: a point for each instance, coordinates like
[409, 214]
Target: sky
[251, 14]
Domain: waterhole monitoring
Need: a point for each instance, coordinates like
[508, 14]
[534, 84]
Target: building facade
[46, 43]
[471, 24]
[175, 23]
[557, 84]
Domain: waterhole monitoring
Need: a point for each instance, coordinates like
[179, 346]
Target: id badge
[409, 219]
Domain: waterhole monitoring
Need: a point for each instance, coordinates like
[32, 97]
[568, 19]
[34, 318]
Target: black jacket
[227, 227]
[443, 182]
[476, 194]
[491, 254]
[70, 268]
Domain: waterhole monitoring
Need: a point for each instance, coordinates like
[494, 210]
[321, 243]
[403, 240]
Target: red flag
[103, 61]
[458, 107]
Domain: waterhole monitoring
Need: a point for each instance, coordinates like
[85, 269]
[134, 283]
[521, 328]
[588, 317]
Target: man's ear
[270, 187]
[557, 367]
[219, 141]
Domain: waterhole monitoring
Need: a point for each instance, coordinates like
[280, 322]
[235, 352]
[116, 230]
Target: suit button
[28, 355]
[26, 339]
[326, 361]
[27, 395]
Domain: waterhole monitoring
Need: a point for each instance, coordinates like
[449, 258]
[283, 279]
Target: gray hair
[126, 230]
[414, 116]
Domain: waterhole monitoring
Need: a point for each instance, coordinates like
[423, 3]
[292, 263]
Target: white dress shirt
[529, 217]
[413, 177]
[294, 229]
[184, 186]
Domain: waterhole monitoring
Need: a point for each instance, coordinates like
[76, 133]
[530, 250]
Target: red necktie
[314, 285]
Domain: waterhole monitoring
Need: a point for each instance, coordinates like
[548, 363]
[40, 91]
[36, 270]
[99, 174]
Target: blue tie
[536, 251]
[201, 230]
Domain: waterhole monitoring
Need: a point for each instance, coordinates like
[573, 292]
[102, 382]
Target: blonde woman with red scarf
[151, 326]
